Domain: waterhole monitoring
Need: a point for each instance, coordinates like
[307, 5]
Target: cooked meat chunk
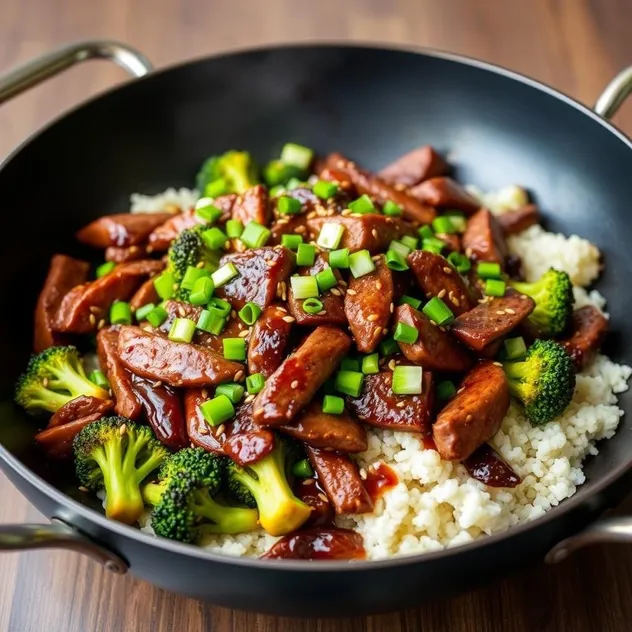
[200, 432]
[246, 441]
[82, 406]
[122, 230]
[268, 341]
[444, 192]
[587, 331]
[483, 239]
[252, 206]
[57, 441]
[288, 225]
[145, 294]
[414, 167]
[125, 254]
[487, 466]
[514, 222]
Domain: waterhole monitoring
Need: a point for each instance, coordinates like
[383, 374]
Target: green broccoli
[264, 485]
[185, 508]
[553, 296]
[53, 378]
[117, 454]
[276, 173]
[232, 172]
[544, 381]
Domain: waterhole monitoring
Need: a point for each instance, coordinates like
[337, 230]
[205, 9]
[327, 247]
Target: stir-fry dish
[309, 360]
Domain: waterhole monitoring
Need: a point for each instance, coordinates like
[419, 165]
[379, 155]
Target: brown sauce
[312, 494]
[379, 480]
[429, 443]
[487, 466]
[319, 544]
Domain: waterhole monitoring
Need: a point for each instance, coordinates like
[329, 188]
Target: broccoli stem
[226, 519]
[74, 380]
[152, 493]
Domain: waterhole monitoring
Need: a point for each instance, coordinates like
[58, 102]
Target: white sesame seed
[442, 293]
[203, 430]
[249, 398]
[181, 311]
[392, 365]
[351, 292]
[374, 233]
[372, 318]
[500, 312]
[244, 333]
[156, 384]
[509, 310]
[447, 270]
[400, 404]
[83, 489]
[391, 307]
[239, 376]
[220, 429]
[123, 430]
[363, 474]
[335, 291]
[308, 481]
[204, 393]
[294, 384]
[322, 312]
[288, 319]
[92, 319]
[323, 497]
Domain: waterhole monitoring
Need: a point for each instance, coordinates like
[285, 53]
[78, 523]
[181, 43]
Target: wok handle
[604, 531]
[58, 535]
[41, 68]
[616, 92]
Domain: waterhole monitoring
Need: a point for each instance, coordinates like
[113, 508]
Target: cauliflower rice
[436, 504]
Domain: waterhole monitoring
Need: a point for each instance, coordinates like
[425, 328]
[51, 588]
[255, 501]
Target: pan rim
[92, 516]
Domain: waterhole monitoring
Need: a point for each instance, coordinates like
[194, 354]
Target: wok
[373, 104]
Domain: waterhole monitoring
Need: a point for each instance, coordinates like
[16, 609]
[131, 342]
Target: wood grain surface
[574, 45]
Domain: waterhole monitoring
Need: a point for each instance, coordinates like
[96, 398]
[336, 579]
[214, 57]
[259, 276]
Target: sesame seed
[83, 489]
[335, 291]
[182, 311]
[175, 286]
[442, 293]
[455, 301]
[391, 307]
[399, 186]
[149, 249]
[123, 430]
[200, 264]
[288, 319]
[508, 310]
[233, 314]
[45, 382]
[447, 270]
[311, 215]
[294, 384]
[299, 230]
[374, 233]
[323, 497]
[244, 333]
[157, 384]
[203, 430]
[468, 418]
[94, 309]
[346, 213]
[239, 375]
[92, 319]
[372, 318]
[500, 312]
[392, 365]
[270, 262]
[497, 364]
[400, 404]
[468, 252]
[282, 309]
[249, 398]
[351, 292]
[322, 312]
[204, 393]
[101, 324]
[147, 327]
[363, 474]
[308, 481]
[220, 429]
[376, 258]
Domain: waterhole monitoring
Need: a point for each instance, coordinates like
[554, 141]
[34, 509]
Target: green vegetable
[361, 263]
[297, 155]
[407, 380]
[232, 172]
[255, 383]
[157, 316]
[364, 204]
[305, 255]
[182, 330]
[330, 235]
[515, 348]
[288, 205]
[233, 391]
[143, 312]
[324, 190]
[120, 313]
[223, 275]
[333, 405]
[292, 242]
[98, 377]
[370, 363]
[446, 390]
[105, 268]
[304, 287]
[217, 410]
[391, 209]
[326, 279]
[405, 333]
[255, 235]
[349, 382]
[277, 173]
[302, 469]
[234, 349]
[488, 270]
[495, 287]
[312, 305]
[339, 258]
[249, 313]
[436, 310]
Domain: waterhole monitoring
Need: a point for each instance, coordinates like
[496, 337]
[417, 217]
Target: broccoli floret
[117, 455]
[232, 172]
[544, 381]
[185, 508]
[265, 485]
[53, 378]
[553, 296]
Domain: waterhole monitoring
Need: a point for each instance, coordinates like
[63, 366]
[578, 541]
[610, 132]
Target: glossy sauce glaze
[379, 480]
[487, 466]
[319, 544]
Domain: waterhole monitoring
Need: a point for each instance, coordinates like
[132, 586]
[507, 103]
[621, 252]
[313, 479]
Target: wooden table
[575, 45]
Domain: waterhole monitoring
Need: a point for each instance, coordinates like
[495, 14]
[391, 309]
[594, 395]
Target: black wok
[372, 104]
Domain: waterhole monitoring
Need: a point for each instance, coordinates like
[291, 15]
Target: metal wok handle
[616, 92]
[41, 68]
[58, 535]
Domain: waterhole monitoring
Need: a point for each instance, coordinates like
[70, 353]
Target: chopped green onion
[211, 321]
[436, 310]
[460, 262]
[305, 255]
[406, 333]
[120, 313]
[191, 275]
[297, 155]
[182, 330]
[304, 286]
[249, 313]
[202, 291]
[234, 349]
[98, 377]
[446, 390]
[330, 235]
[391, 209]
[432, 244]
[349, 382]
[370, 363]
[333, 405]
[142, 312]
[234, 228]
[223, 307]
[339, 258]
[255, 235]
[400, 248]
[293, 183]
[407, 380]
[302, 469]
[324, 190]
[234, 392]
[409, 300]
[209, 213]
[157, 316]
[216, 188]
[495, 287]
[276, 173]
[215, 238]
[326, 279]
[515, 348]
[458, 220]
[164, 285]
[223, 275]
[350, 363]
[425, 232]
[388, 347]
[291, 241]
[312, 306]
[443, 225]
[254, 383]
[395, 261]
[288, 205]
[488, 270]
[364, 204]
[409, 242]
[217, 410]
[105, 268]
[361, 263]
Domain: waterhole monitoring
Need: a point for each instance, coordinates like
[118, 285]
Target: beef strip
[246, 442]
[268, 341]
[125, 254]
[122, 230]
[483, 239]
[586, 333]
[252, 206]
[200, 432]
[444, 192]
[57, 441]
[82, 406]
[145, 294]
[414, 167]
[514, 222]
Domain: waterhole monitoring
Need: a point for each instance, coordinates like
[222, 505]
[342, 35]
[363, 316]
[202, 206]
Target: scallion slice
[410, 300]
[409, 242]
[157, 316]
[388, 347]
[288, 205]
[391, 209]
[233, 391]
[326, 279]
[443, 224]
[324, 190]
[432, 244]
[164, 285]
[105, 268]
[217, 410]
[223, 275]
[234, 228]
[425, 232]
[211, 322]
[399, 247]
[446, 390]
[255, 383]
[330, 235]
[234, 349]
[302, 469]
[191, 275]
[495, 287]
[202, 291]
[515, 348]
[349, 382]
[305, 255]
[215, 238]
[223, 307]
[297, 155]
[436, 310]
[395, 261]
[457, 218]
[249, 313]
[363, 204]
[98, 377]
[361, 263]
[216, 188]
[333, 405]
[405, 333]
[255, 235]
[182, 330]
[339, 258]
[460, 262]
[488, 270]
[208, 212]
[142, 312]
[291, 242]
[370, 363]
[407, 380]
[120, 313]
[304, 287]
[312, 306]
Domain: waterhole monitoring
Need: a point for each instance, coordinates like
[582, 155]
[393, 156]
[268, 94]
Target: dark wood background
[574, 45]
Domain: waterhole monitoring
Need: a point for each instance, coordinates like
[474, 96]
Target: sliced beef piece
[174, 363]
[318, 544]
[333, 303]
[380, 407]
[587, 332]
[474, 414]
[311, 494]
[64, 274]
[200, 432]
[57, 441]
[145, 294]
[125, 254]
[368, 306]
[311, 203]
[436, 276]
[492, 319]
[338, 475]
[288, 225]
[370, 184]
[123, 229]
[246, 442]
[126, 403]
[514, 222]
[414, 167]
[86, 305]
[330, 432]
[261, 270]
[82, 406]
[483, 239]
[372, 232]
[443, 192]
[291, 387]
[252, 206]
[434, 348]
[268, 341]
[488, 467]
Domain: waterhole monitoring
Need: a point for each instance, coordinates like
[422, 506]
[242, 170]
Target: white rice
[436, 504]
[181, 198]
